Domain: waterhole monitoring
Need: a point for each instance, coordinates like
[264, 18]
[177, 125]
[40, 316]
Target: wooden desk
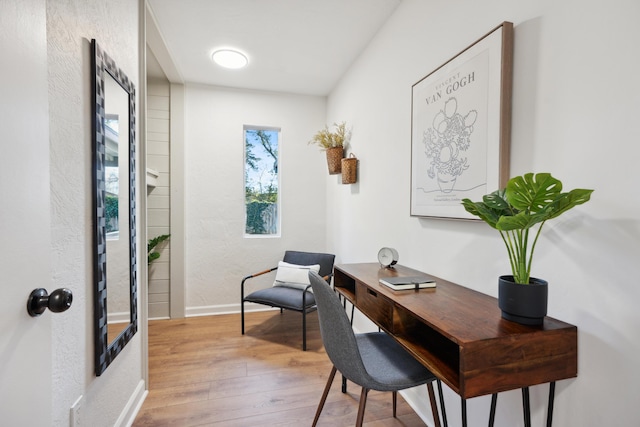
[459, 333]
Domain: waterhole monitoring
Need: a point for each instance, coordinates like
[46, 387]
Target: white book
[408, 282]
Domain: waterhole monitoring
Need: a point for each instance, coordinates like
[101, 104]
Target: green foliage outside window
[111, 212]
[260, 207]
[261, 181]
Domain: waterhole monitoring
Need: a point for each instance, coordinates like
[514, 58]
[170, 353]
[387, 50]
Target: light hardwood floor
[203, 372]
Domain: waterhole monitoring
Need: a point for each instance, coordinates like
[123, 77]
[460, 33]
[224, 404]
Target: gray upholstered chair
[374, 361]
[291, 293]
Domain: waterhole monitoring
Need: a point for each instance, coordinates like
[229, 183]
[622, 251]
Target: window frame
[278, 130]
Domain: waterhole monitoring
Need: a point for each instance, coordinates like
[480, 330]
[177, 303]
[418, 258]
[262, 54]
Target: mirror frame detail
[106, 352]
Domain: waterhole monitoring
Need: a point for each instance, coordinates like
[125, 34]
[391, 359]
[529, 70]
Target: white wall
[70, 28]
[158, 198]
[575, 108]
[217, 254]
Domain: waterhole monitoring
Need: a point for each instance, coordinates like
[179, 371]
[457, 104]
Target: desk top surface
[460, 313]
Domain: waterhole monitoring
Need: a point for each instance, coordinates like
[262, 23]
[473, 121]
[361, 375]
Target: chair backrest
[337, 335]
[311, 258]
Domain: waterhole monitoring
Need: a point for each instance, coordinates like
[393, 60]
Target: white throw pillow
[293, 275]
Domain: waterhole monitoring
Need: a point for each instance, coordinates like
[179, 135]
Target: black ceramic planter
[524, 304]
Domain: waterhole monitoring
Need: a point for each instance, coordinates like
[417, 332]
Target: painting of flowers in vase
[458, 134]
[446, 142]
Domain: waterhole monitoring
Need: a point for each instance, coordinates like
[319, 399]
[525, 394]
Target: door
[25, 342]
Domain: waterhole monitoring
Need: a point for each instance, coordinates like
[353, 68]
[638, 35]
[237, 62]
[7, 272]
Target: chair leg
[325, 393]
[304, 330]
[363, 403]
[394, 399]
[434, 405]
[242, 315]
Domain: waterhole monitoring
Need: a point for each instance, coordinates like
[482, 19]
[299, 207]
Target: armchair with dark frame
[291, 290]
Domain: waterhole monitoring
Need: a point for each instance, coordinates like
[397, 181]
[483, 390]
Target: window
[112, 178]
[261, 181]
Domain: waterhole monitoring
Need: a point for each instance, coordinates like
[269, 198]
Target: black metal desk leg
[526, 406]
[442, 408]
[463, 402]
[552, 393]
[492, 413]
[344, 384]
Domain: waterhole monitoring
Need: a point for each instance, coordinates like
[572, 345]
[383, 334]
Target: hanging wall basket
[349, 169]
[334, 156]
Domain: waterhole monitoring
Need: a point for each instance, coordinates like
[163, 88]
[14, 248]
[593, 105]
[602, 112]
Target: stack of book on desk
[408, 282]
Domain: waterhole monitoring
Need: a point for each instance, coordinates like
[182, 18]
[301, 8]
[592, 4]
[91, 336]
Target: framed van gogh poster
[461, 127]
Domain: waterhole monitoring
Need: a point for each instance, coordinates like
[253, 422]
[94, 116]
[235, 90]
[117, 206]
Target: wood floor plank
[178, 395]
[203, 372]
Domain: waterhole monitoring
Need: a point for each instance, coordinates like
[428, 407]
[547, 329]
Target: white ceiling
[294, 46]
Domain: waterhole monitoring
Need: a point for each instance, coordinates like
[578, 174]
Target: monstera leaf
[527, 201]
[151, 254]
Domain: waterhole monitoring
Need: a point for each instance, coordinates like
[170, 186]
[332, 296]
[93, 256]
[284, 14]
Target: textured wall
[217, 254]
[575, 105]
[70, 27]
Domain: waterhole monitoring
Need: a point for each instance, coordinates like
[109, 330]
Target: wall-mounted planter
[349, 169]
[334, 156]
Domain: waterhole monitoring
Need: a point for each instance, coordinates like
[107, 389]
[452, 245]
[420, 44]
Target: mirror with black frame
[113, 120]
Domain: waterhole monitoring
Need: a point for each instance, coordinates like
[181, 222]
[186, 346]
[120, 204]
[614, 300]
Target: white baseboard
[209, 310]
[131, 409]
[121, 317]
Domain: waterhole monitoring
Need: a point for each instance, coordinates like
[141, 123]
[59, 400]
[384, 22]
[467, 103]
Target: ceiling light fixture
[230, 58]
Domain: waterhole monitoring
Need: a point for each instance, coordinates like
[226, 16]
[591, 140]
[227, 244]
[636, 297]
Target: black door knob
[59, 300]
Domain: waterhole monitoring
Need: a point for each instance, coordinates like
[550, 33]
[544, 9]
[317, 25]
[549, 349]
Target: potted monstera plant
[524, 206]
[334, 143]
